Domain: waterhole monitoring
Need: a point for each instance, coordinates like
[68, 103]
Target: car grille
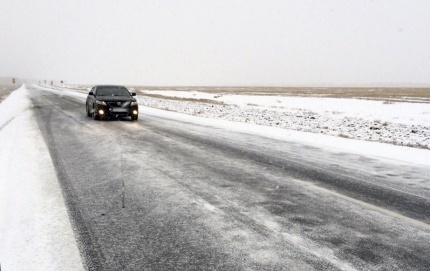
[118, 104]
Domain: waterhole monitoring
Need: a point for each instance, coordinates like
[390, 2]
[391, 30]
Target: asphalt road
[161, 194]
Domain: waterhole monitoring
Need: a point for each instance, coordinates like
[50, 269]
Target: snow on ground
[35, 231]
[31, 223]
[399, 123]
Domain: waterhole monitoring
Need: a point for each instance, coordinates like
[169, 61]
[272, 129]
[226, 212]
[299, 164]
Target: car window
[112, 91]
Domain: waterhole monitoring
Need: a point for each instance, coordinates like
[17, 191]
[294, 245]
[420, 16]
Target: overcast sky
[243, 42]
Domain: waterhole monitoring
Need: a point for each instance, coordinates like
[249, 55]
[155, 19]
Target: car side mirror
[133, 94]
[91, 93]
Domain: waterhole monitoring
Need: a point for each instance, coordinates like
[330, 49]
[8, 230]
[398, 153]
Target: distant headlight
[133, 103]
[101, 102]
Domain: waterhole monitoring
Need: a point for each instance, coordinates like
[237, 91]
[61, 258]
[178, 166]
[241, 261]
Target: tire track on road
[6, 123]
[89, 247]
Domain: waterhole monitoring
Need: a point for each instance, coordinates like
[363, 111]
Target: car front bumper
[106, 111]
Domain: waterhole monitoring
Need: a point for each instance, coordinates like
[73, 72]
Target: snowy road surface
[174, 192]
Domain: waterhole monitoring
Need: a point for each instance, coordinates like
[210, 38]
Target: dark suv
[104, 102]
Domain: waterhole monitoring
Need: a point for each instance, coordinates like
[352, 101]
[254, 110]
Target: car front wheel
[88, 112]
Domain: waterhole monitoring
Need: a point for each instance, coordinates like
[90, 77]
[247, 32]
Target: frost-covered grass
[399, 123]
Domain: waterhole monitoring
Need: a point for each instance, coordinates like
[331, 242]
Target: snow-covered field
[399, 123]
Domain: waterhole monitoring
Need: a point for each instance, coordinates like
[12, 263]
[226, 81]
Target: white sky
[242, 42]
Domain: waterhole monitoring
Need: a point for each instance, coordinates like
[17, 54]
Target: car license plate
[119, 109]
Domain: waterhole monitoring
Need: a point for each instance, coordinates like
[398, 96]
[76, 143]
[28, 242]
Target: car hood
[115, 98]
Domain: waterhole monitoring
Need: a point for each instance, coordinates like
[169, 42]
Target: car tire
[134, 118]
[88, 112]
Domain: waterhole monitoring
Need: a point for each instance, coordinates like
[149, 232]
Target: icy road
[170, 192]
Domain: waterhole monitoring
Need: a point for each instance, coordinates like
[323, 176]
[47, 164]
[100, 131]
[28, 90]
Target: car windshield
[112, 91]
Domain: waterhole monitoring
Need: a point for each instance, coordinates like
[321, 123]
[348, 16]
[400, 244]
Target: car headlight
[133, 103]
[101, 102]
